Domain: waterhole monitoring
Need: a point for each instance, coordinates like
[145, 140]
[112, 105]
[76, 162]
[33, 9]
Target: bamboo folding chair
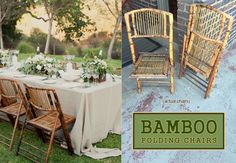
[204, 44]
[151, 23]
[13, 105]
[50, 120]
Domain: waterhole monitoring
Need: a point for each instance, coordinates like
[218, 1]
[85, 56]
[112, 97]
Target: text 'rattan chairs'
[50, 120]
[13, 105]
[204, 43]
[151, 23]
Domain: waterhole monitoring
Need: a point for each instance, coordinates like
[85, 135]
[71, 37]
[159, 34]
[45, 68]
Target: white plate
[20, 76]
[49, 81]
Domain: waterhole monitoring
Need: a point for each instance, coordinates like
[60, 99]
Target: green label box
[178, 131]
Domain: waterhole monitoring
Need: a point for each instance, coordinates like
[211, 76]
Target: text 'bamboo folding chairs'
[204, 44]
[45, 100]
[13, 105]
[151, 23]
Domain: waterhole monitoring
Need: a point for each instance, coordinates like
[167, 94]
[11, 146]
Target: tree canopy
[10, 12]
[68, 15]
[73, 21]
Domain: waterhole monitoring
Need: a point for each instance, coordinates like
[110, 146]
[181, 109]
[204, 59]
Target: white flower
[36, 58]
[39, 67]
[49, 65]
[49, 59]
[49, 70]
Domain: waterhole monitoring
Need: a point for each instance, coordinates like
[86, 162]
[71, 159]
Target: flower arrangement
[41, 65]
[4, 56]
[95, 69]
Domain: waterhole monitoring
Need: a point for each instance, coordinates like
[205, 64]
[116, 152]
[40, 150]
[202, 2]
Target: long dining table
[97, 108]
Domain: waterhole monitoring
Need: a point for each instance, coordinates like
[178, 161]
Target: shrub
[38, 38]
[72, 51]
[116, 51]
[56, 47]
[25, 47]
[94, 41]
[90, 52]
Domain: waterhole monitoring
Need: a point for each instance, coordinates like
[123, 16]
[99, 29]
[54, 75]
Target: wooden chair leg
[182, 59]
[67, 137]
[14, 132]
[184, 69]
[139, 87]
[172, 87]
[21, 136]
[15, 127]
[51, 140]
[181, 69]
[209, 86]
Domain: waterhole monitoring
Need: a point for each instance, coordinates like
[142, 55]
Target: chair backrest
[43, 99]
[149, 23]
[10, 91]
[209, 22]
[207, 35]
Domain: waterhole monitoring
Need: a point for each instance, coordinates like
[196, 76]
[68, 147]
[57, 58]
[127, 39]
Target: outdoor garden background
[61, 27]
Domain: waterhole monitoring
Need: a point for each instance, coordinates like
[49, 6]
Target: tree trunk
[1, 38]
[113, 39]
[46, 51]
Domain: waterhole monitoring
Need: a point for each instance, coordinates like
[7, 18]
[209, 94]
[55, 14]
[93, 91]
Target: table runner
[97, 109]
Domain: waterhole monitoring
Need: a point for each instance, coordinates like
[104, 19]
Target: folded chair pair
[203, 45]
[51, 118]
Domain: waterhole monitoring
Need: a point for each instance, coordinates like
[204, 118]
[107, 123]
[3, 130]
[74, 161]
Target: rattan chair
[204, 44]
[49, 120]
[151, 23]
[13, 105]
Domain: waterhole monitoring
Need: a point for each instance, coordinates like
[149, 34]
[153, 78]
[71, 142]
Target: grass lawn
[114, 63]
[58, 155]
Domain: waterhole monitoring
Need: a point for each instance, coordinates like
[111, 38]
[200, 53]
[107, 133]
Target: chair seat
[47, 121]
[13, 109]
[151, 65]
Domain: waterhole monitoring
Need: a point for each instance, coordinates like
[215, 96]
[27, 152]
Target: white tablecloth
[97, 109]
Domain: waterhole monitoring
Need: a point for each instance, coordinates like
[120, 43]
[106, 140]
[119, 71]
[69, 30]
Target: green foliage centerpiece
[95, 69]
[41, 65]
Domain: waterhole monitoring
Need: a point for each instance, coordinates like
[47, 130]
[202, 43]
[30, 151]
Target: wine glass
[96, 76]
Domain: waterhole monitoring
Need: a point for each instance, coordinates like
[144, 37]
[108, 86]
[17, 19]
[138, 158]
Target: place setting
[51, 71]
